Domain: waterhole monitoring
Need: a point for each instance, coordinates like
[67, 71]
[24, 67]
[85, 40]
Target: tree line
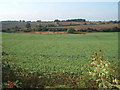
[57, 20]
[71, 20]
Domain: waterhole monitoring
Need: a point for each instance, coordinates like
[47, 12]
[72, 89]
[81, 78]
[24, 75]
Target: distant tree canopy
[68, 20]
[38, 21]
[75, 20]
[56, 20]
[9, 21]
[28, 21]
[28, 25]
[23, 21]
[71, 20]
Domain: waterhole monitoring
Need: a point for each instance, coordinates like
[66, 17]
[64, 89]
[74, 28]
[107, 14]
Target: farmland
[55, 53]
[61, 25]
[53, 44]
[99, 27]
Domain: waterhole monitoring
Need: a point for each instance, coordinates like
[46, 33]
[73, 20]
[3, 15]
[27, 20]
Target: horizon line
[55, 19]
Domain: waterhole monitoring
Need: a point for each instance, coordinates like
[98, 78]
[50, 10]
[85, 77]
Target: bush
[101, 74]
[70, 30]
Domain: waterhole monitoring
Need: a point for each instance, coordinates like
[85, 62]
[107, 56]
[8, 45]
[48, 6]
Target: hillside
[59, 26]
[99, 26]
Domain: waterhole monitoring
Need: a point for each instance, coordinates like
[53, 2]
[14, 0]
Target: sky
[49, 10]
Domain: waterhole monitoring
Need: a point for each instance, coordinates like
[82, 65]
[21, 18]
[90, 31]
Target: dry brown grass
[50, 32]
[47, 32]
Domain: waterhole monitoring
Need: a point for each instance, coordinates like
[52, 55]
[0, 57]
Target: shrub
[101, 72]
[70, 30]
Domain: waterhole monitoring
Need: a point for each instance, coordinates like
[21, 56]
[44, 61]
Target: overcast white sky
[58, 9]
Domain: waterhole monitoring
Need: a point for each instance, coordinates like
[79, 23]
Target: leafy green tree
[70, 30]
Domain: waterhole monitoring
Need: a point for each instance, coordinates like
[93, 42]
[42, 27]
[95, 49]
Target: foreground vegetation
[61, 60]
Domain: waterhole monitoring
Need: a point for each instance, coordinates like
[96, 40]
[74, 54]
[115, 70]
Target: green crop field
[58, 52]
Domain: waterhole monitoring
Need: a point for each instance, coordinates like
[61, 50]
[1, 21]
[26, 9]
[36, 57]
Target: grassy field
[58, 52]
